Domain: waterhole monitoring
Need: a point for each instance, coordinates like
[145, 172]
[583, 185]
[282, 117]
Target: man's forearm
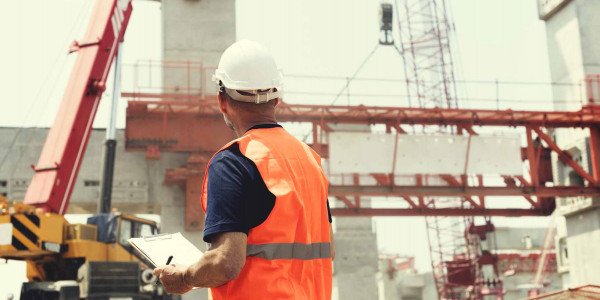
[222, 262]
[210, 271]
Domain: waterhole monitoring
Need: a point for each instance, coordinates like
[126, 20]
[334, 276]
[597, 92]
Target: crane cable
[355, 73]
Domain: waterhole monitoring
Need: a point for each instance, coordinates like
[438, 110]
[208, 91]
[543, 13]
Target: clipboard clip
[164, 236]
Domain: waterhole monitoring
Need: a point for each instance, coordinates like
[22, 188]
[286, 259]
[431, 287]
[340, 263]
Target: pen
[168, 262]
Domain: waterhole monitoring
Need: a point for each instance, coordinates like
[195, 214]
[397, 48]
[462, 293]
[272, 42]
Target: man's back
[289, 254]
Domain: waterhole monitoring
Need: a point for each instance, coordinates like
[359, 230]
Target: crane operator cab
[116, 229]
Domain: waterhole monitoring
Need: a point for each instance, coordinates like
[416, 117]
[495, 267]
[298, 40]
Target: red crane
[59, 162]
[65, 259]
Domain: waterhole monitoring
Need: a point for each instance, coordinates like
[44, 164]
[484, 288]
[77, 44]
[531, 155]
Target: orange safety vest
[289, 255]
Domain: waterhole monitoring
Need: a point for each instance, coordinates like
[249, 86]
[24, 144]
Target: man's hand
[172, 279]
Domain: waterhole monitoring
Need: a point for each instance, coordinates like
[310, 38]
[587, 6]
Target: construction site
[460, 139]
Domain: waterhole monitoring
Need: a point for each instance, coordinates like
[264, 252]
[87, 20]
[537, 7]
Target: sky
[495, 40]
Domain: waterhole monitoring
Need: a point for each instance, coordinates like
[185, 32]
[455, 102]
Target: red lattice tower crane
[425, 46]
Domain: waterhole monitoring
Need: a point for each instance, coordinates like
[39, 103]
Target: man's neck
[241, 128]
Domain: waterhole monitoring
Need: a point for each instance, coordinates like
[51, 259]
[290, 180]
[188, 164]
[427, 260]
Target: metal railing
[191, 80]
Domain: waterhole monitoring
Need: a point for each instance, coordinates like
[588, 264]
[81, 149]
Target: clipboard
[157, 249]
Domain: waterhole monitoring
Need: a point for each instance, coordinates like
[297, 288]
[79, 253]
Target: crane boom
[59, 162]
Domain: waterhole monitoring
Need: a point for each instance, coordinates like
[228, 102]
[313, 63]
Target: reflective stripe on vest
[290, 251]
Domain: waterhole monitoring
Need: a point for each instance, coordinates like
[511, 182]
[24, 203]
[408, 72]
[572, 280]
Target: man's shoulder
[231, 159]
[228, 157]
[232, 151]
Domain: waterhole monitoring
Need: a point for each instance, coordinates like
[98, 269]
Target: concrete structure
[406, 283]
[196, 31]
[574, 52]
[355, 266]
[522, 241]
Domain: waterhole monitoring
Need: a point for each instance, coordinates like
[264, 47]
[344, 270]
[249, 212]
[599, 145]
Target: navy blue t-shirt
[237, 197]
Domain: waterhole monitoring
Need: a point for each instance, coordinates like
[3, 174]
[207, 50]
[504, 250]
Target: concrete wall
[583, 242]
[406, 285]
[512, 237]
[562, 255]
[574, 50]
[136, 188]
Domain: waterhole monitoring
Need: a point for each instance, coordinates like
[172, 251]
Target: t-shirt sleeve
[225, 196]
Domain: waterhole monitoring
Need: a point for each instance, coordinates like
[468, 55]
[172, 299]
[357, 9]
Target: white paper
[6, 234]
[158, 248]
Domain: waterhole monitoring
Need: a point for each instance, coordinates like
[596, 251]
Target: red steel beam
[379, 114]
[595, 151]
[531, 157]
[346, 201]
[461, 191]
[389, 212]
[454, 182]
[197, 126]
[527, 197]
[566, 158]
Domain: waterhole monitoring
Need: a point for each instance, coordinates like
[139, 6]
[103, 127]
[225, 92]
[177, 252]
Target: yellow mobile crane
[79, 261]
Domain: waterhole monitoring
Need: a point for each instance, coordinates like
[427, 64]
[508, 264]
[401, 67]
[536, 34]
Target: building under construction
[426, 153]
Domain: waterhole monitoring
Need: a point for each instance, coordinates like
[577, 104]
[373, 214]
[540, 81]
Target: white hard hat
[247, 72]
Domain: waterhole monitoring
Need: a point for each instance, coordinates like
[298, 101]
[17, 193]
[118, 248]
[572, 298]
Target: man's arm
[222, 263]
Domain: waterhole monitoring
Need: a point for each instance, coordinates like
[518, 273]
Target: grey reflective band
[290, 251]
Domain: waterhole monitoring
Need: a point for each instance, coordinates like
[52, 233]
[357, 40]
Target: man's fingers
[157, 271]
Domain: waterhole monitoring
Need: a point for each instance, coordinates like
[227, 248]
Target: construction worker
[268, 223]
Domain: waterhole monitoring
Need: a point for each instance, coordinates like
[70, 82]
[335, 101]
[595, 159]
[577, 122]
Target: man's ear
[222, 102]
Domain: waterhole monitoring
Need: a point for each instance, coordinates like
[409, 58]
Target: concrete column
[356, 258]
[194, 30]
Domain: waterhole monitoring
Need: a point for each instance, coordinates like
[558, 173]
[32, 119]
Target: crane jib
[67, 139]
